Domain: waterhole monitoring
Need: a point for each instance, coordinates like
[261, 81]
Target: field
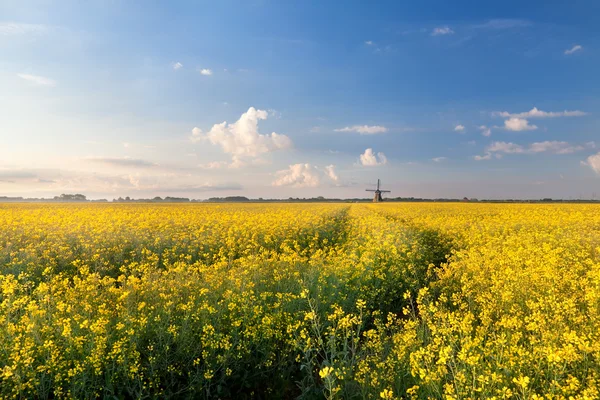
[360, 301]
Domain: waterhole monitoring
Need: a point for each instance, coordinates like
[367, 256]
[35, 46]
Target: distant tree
[70, 197]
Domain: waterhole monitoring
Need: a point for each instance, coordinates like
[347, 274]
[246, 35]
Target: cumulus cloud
[363, 129]
[370, 159]
[37, 80]
[573, 49]
[205, 72]
[302, 175]
[177, 66]
[485, 131]
[593, 162]
[196, 135]
[242, 138]
[443, 30]
[536, 113]
[330, 170]
[439, 159]
[518, 124]
[459, 128]
[122, 162]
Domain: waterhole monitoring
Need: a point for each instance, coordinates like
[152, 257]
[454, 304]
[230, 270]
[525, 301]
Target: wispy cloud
[459, 128]
[205, 71]
[363, 129]
[486, 156]
[485, 131]
[15, 29]
[574, 49]
[504, 23]
[122, 162]
[552, 147]
[38, 80]
[369, 42]
[439, 159]
[177, 66]
[206, 187]
[213, 165]
[536, 113]
[443, 30]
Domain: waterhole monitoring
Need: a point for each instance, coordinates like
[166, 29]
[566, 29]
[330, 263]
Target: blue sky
[306, 98]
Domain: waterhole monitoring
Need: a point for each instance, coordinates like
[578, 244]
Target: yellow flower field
[310, 301]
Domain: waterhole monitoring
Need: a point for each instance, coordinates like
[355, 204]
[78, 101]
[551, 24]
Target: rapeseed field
[309, 301]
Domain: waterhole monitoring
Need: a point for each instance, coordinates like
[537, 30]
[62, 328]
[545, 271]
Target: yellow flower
[325, 372]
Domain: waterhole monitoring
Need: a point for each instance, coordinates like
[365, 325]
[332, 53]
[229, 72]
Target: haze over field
[299, 99]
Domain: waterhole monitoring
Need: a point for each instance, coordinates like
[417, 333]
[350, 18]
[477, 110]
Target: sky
[278, 99]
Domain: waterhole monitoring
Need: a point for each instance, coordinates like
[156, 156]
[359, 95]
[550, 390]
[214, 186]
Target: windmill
[377, 196]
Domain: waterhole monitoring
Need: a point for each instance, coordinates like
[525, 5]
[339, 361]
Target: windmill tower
[377, 195]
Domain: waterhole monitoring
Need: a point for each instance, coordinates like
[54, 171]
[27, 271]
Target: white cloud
[518, 124]
[593, 162]
[439, 159]
[487, 156]
[315, 129]
[298, 175]
[38, 80]
[330, 170]
[369, 43]
[370, 159]
[573, 49]
[196, 135]
[177, 66]
[363, 129]
[536, 113]
[459, 128]
[14, 28]
[443, 30]
[241, 138]
[485, 131]
[553, 147]
[205, 72]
